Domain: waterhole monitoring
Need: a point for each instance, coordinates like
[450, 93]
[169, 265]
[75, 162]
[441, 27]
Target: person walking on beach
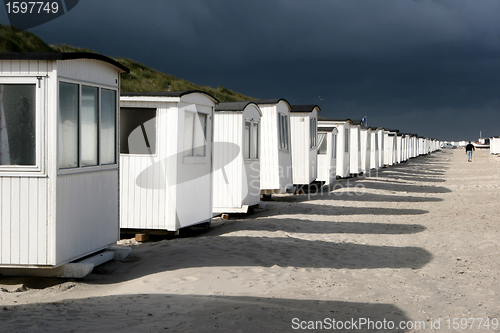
[468, 149]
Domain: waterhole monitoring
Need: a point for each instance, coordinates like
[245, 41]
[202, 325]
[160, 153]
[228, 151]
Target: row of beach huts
[79, 161]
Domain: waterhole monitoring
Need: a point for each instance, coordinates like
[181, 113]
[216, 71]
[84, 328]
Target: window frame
[253, 157]
[197, 159]
[156, 131]
[99, 166]
[37, 170]
[283, 132]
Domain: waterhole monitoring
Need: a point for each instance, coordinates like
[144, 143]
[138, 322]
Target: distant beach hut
[58, 162]
[355, 144]
[399, 148]
[327, 154]
[166, 160]
[366, 148]
[375, 148]
[276, 158]
[390, 144]
[236, 178]
[381, 146]
[304, 143]
[343, 143]
[495, 145]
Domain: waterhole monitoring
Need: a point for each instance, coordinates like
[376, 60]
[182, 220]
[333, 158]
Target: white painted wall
[275, 163]
[50, 217]
[237, 184]
[304, 158]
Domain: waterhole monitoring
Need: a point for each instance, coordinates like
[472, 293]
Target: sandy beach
[417, 242]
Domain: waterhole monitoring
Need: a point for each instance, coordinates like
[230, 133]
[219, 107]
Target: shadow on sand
[188, 313]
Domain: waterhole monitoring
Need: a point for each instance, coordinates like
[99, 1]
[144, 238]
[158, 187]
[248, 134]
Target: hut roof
[326, 129]
[166, 94]
[304, 108]
[60, 56]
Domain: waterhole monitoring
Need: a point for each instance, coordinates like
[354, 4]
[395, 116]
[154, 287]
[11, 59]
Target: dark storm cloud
[399, 62]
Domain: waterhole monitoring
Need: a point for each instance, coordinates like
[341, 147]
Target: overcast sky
[426, 67]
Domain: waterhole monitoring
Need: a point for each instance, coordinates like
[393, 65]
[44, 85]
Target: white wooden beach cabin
[166, 160]
[343, 143]
[58, 162]
[365, 144]
[381, 146]
[374, 148]
[236, 175]
[276, 158]
[304, 143]
[390, 147]
[327, 154]
[355, 144]
[495, 145]
[399, 147]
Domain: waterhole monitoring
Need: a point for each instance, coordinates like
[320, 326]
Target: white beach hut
[390, 144]
[304, 143]
[495, 145]
[58, 162]
[355, 144]
[327, 154]
[374, 148]
[399, 148]
[236, 177]
[166, 160]
[276, 158]
[343, 143]
[366, 148]
[381, 146]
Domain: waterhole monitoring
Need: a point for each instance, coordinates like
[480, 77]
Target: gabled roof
[235, 106]
[304, 108]
[60, 56]
[357, 122]
[272, 101]
[165, 94]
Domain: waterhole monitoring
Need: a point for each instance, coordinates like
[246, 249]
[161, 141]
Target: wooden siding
[87, 213]
[89, 70]
[23, 221]
[24, 67]
[228, 128]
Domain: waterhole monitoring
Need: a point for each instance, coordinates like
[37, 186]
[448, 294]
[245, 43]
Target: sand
[417, 242]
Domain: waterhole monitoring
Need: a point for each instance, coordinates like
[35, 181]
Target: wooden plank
[33, 231]
[15, 221]
[43, 223]
[5, 188]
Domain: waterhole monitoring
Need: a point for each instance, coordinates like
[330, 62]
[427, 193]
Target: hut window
[251, 140]
[108, 126]
[334, 145]
[283, 131]
[138, 131]
[247, 141]
[69, 125]
[346, 140]
[87, 126]
[255, 141]
[18, 124]
[195, 134]
[313, 133]
[90, 125]
[323, 146]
